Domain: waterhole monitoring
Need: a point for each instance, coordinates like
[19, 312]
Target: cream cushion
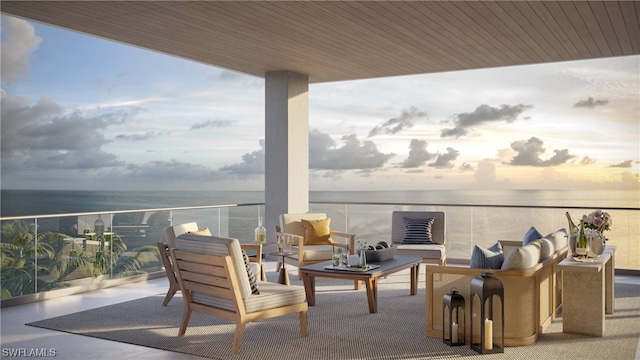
[171, 232]
[522, 258]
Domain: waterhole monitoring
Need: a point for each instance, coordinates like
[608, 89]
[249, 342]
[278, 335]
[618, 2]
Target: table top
[397, 262]
[588, 265]
[282, 253]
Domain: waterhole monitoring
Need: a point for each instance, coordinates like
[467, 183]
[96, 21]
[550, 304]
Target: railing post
[35, 255]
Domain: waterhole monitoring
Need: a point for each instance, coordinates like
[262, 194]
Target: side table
[283, 278]
[588, 293]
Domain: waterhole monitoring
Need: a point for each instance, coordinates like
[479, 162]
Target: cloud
[529, 152]
[252, 163]
[482, 114]
[591, 103]
[446, 160]
[624, 164]
[587, 161]
[486, 172]
[20, 40]
[354, 154]
[173, 170]
[418, 154]
[397, 124]
[465, 167]
[42, 136]
[139, 137]
[212, 124]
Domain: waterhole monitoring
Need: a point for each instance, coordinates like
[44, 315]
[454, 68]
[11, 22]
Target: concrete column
[286, 146]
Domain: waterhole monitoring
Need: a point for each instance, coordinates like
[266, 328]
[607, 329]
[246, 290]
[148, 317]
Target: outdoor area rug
[340, 327]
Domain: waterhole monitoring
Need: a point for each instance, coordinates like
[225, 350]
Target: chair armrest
[258, 250]
[351, 238]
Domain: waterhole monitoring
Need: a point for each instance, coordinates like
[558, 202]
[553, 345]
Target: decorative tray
[352, 268]
[585, 260]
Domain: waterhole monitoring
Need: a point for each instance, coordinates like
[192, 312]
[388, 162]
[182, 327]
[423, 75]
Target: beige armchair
[170, 234]
[434, 252]
[215, 280]
[305, 254]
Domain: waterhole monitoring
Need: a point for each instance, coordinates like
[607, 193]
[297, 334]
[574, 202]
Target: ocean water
[466, 226]
[42, 202]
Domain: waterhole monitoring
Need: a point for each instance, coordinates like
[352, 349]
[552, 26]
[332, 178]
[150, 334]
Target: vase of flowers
[596, 223]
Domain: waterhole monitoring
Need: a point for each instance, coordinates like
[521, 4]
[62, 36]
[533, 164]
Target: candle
[454, 333]
[488, 334]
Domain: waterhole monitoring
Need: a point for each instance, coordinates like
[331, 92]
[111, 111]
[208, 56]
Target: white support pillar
[286, 146]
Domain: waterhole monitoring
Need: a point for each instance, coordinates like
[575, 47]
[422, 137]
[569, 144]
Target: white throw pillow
[522, 258]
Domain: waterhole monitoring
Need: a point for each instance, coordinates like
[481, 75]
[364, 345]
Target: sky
[84, 113]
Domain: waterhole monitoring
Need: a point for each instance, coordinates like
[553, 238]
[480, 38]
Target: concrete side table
[588, 293]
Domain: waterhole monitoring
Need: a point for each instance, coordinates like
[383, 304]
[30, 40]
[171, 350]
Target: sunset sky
[79, 112]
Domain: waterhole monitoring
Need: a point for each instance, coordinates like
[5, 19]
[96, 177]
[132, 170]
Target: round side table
[283, 278]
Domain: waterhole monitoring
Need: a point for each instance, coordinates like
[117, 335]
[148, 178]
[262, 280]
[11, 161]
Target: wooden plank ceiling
[343, 40]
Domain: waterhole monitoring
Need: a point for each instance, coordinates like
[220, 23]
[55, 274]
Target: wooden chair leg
[173, 289]
[237, 338]
[303, 323]
[263, 273]
[185, 321]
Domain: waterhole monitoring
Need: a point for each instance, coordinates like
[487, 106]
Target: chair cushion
[204, 231]
[171, 232]
[417, 230]
[425, 251]
[272, 295]
[252, 276]
[218, 246]
[522, 258]
[491, 258]
[317, 232]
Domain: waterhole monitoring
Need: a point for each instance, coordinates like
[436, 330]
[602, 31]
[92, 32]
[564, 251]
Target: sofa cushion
[531, 235]
[522, 258]
[417, 231]
[317, 232]
[547, 248]
[491, 258]
[558, 238]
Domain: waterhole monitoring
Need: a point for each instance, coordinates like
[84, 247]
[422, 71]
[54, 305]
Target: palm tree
[23, 259]
[28, 266]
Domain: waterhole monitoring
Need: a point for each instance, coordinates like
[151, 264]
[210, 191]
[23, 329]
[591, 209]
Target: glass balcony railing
[75, 251]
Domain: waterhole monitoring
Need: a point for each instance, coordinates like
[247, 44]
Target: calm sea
[466, 226]
[42, 202]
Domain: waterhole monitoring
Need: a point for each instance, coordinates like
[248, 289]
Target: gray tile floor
[15, 336]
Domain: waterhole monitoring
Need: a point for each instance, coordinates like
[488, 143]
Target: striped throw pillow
[491, 258]
[417, 231]
[252, 276]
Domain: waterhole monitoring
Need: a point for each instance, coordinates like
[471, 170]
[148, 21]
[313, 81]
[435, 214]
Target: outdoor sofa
[532, 295]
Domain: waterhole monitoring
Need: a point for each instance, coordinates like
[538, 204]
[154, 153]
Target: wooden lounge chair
[214, 280]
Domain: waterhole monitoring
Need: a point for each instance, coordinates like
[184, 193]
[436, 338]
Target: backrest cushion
[547, 248]
[558, 238]
[491, 258]
[531, 235]
[417, 231]
[171, 232]
[222, 247]
[253, 283]
[522, 258]
[292, 224]
[204, 231]
[317, 232]
[438, 228]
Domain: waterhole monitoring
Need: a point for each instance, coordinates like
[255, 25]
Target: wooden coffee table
[370, 277]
